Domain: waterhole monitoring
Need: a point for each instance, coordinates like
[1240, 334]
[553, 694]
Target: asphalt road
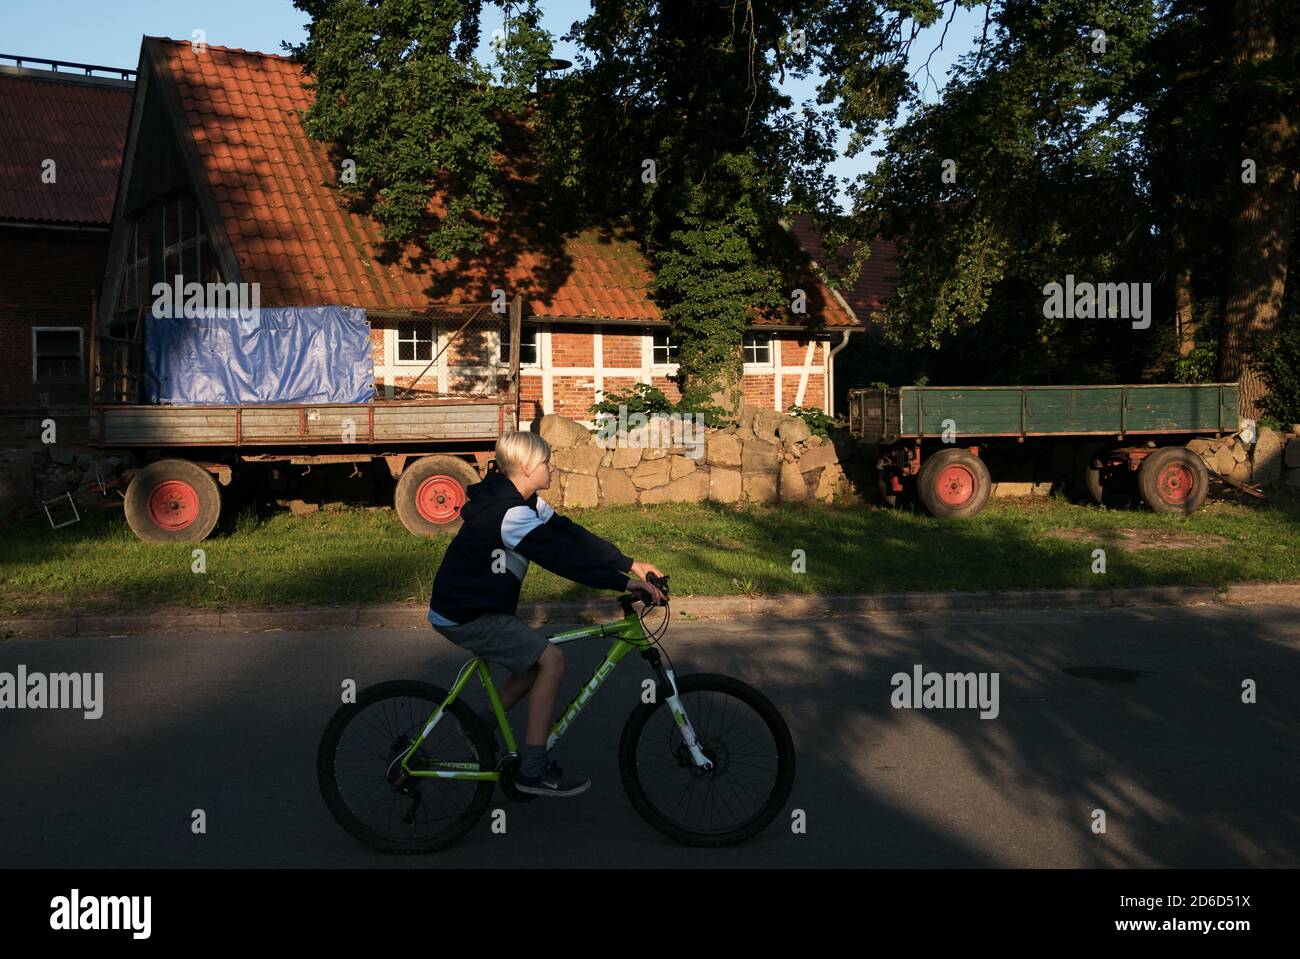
[1149, 727]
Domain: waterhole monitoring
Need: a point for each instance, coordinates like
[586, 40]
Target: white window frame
[81, 355]
[536, 329]
[760, 367]
[671, 366]
[397, 360]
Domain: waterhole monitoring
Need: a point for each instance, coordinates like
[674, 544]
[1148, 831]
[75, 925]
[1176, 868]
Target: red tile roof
[877, 280]
[81, 127]
[292, 232]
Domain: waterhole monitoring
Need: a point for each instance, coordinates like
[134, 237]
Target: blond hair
[521, 451]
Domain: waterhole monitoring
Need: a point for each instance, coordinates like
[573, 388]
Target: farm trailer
[932, 440]
[433, 446]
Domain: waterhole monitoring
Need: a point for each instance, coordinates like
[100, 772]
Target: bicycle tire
[474, 747]
[634, 751]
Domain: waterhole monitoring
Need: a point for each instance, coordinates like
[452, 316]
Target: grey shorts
[499, 638]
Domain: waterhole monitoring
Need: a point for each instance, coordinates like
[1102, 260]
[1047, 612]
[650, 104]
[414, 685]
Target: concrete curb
[789, 606]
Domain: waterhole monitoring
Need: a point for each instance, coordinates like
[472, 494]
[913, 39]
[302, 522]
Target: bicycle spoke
[376, 735]
[744, 751]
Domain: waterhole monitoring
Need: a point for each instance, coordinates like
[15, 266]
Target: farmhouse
[221, 184]
[63, 127]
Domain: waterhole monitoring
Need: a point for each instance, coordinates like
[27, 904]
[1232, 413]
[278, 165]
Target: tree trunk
[1183, 316]
[1262, 225]
[726, 389]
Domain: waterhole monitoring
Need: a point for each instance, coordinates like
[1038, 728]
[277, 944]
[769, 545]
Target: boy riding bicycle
[506, 525]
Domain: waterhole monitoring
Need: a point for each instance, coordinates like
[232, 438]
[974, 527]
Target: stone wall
[1291, 458]
[30, 476]
[765, 457]
[1272, 460]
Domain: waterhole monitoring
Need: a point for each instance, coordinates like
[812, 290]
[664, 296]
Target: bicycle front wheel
[355, 766]
[740, 731]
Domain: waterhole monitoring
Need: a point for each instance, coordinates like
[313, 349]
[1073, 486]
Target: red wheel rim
[955, 485]
[1175, 483]
[173, 505]
[439, 499]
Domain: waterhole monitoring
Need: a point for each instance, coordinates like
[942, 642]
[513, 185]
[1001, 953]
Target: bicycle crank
[509, 769]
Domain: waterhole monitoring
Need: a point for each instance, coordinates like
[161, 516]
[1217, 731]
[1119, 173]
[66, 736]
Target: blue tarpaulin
[285, 354]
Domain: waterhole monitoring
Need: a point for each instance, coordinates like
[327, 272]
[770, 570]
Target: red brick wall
[667, 386]
[621, 348]
[812, 394]
[46, 279]
[530, 398]
[572, 395]
[758, 389]
[572, 345]
[619, 384]
[793, 349]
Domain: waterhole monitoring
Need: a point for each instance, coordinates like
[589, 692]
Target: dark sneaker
[552, 782]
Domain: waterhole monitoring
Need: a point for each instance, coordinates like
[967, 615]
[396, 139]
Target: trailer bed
[385, 422]
[915, 412]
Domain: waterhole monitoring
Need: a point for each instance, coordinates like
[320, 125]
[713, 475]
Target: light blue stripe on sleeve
[437, 620]
[517, 523]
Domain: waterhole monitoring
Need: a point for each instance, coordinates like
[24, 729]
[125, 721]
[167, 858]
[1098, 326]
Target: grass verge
[365, 556]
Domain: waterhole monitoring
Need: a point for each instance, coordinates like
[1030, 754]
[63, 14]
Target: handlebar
[659, 582]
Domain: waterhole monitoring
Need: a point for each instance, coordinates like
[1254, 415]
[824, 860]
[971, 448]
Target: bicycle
[404, 772]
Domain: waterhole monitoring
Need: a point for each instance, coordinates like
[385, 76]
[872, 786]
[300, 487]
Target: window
[56, 354]
[185, 242]
[527, 345]
[665, 350]
[165, 239]
[758, 348]
[135, 291]
[415, 342]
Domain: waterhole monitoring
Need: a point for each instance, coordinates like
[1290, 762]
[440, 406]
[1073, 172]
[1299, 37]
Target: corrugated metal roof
[81, 127]
[292, 231]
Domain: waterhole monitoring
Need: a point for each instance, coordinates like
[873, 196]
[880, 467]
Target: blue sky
[108, 32]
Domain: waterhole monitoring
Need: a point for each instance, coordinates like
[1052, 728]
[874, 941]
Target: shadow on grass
[358, 556]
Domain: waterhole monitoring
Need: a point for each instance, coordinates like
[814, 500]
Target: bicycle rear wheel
[747, 739]
[358, 750]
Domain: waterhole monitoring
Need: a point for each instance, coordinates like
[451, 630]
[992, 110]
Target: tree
[1264, 220]
[399, 92]
[1102, 140]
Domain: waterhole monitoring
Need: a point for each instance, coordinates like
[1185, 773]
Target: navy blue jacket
[501, 534]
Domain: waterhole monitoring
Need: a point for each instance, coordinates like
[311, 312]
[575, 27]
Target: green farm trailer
[933, 441]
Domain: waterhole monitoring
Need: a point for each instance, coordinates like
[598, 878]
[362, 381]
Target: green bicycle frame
[629, 636]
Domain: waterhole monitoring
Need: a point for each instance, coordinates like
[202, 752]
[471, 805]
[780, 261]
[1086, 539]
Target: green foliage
[651, 401]
[641, 398]
[1035, 188]
[697, 89]
[816, 419]
[1114, 165]
[1279, 362]
[399, 92]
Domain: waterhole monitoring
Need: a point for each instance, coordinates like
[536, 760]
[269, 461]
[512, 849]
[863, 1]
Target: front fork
[668, 686]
